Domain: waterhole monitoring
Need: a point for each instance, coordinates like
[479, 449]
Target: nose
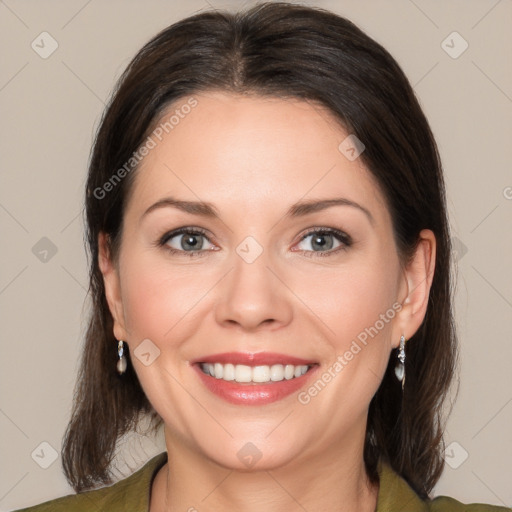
[252, 296]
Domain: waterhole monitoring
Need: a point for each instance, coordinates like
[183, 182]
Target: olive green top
[132, 495]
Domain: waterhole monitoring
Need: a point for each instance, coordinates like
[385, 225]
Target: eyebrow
[312, 206]
[192, 207]
[299, 209]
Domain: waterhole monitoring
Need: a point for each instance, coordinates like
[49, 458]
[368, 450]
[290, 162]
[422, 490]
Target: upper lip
[253, 359]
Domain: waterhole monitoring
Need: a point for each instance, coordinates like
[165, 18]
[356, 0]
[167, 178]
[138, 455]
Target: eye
[324, 240]
[186, 240]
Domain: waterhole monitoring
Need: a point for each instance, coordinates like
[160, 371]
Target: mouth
[262, 374]
[253, 378]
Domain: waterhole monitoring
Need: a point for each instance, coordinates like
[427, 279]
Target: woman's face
[257, 274]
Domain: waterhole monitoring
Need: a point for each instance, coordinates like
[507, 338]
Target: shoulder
[90, 500]
[444, 503]
[132, 494]
[395, 495]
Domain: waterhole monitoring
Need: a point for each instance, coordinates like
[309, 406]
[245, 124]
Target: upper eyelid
[184, 230]
[331, 231]
[341, 235]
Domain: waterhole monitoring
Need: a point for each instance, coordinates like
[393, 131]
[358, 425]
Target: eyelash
[343, 238]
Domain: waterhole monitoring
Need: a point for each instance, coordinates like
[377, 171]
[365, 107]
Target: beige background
[50, 108]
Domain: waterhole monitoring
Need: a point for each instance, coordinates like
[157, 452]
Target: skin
[252, 158]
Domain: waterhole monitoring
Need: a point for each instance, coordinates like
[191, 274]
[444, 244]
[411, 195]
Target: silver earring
[400, 366]
[121, 364]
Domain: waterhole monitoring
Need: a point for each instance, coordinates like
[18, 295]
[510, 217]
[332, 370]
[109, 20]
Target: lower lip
[251, 393]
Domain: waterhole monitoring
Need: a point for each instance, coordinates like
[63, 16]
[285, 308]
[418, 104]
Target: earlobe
[112, 286]
[418, 277]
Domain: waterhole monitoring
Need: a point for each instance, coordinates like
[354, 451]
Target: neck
[335, 482]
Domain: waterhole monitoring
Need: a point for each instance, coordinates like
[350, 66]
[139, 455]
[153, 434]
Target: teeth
[242, 373]
[229, 372]
[259, 374]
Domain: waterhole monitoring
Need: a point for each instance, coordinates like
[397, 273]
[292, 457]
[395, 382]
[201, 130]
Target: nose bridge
[251, 294]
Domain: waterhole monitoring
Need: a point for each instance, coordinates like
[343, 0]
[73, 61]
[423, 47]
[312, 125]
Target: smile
[254, 374]
[243, 378]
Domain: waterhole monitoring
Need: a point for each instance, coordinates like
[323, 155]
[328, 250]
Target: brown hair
[287, 51]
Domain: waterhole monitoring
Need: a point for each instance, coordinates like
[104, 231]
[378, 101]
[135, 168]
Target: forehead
[250, 152]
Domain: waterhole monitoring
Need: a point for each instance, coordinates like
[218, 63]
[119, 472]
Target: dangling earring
[400, 366]
[121, 364]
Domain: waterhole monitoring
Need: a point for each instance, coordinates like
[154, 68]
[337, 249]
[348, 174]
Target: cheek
[157, 299]
[367, 298]
[353, 298]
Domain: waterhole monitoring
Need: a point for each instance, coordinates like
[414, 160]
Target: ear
[415, 287]
[112, 286]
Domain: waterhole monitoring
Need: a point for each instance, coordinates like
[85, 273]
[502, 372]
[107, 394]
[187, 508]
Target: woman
[270, 274]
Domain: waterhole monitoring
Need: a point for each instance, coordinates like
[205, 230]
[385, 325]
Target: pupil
[190, 242]
[320, 242]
